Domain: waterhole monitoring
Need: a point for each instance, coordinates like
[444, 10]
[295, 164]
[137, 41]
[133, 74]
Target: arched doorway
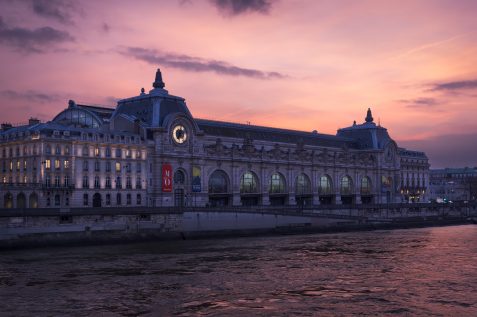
[33, 200]
[21, 200]
[218, 189]
[8, 200]
[97, 200]
[249, 194]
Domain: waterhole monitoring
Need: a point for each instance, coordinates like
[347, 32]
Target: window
[108, 199]
[138, 167]
[118, 199]
[108, 152]
[118, 167]
[57, 200]
[118, 153]
[47, 164]
[277, 183]
[128, 182]
[48, 149]
[25, 179]
[57, 164]
[67, 150]
[11, 166]
[96, 166]
[17, 151]
[96, 182]
[24, 165]
[85, 199]
[67, 201]
[18, 165]
[128, 199]
[108, 166]
[66, 164]
[248, 183]
[108, 182]
[179, 177]
[85, 166]
[85, 150]
[96, 151]
[85, 182]
[57, 150]
[138, 183]
[128, 167]
[138, 155]
[48, 181]
[325, 185]
[128, 153]
[118, 182]
[48, 201]
[365, 186]
[67, 181]
[346, 186]
[303, 185]
[218, 182]
[57, 181]
[138, 199]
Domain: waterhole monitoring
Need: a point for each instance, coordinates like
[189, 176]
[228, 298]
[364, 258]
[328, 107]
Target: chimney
[33, 121]
[6, 126]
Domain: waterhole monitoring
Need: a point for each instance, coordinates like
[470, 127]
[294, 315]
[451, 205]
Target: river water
[416, 272]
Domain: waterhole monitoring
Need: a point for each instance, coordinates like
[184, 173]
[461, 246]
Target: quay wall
[41, 227]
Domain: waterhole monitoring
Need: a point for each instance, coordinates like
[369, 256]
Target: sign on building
[167, 178]
[196, 181]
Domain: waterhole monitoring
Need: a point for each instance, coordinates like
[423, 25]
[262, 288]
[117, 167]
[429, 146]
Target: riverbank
[157, 233]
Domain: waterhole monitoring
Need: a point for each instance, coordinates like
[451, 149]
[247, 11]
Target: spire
[158, 83]
[369, 116]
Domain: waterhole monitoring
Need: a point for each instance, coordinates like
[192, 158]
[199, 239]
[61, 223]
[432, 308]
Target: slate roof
[242, 131]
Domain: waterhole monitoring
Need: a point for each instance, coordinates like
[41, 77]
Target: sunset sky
[289, 63]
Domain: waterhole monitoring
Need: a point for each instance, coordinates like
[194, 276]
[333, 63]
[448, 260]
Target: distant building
[151, 151]
[453, 184]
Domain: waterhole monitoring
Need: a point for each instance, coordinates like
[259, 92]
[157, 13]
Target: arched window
[179, 177]
[248, 183]
[303, 185]
[366, 186]
[346, 185]
[218, 182]
[138, 199]
[326, 187]
[21, 200]
[277, 183]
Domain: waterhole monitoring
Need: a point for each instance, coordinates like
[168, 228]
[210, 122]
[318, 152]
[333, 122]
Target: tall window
[96, 182]
[108, 152]
[47, 164]
[96, 166]
[277, 183]
[325, 185]
[248, 183]
[365, 186]
[58, 150]
[128, 182]
[108, 182]
[96, 151]
[85, 182]
[118, 199]
[128, 199]
[303, 185]
[346, 185]
[108, 199]
[108, 166]
[118, 182]
[66, 164]
[118, 153]
[138, 183]
[57, 164]
[67, 181]
[85, 199]
[85, 150]
[118, 167]
[48, 149]
[57, 181]
[138, 199]
[85, 165]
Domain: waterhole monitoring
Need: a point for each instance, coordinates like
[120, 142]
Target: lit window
[67, 164]
[25, 179]
[18, 165]
[25, 165]
[47, 164]
[118, 167]
[57, 164]
[96, 151]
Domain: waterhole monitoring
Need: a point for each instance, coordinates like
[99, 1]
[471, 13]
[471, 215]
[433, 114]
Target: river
[415, 272]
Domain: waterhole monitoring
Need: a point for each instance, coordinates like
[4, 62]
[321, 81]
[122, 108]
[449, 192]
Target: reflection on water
[417, 272]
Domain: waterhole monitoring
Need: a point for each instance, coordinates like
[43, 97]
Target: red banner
[166, 178]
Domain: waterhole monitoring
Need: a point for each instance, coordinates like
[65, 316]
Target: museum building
[150, 151]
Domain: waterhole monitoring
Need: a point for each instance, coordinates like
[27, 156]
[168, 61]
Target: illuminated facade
[150, 151]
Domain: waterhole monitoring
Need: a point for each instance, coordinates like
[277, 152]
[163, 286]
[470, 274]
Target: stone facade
[453, 184]
[163, 156]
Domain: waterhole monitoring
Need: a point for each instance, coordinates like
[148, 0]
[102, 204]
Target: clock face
[179, 134]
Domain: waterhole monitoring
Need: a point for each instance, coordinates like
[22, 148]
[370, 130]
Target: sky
[297, 64]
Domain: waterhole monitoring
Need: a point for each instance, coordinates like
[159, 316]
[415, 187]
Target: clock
[179, 134]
